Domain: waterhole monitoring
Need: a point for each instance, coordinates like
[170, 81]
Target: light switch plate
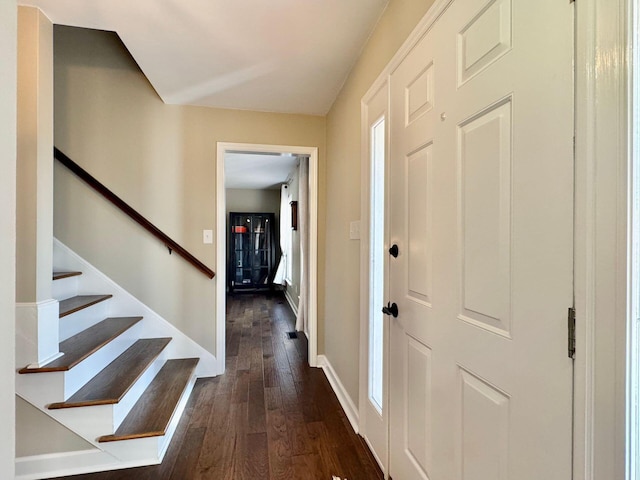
[207, 236]
[354, 230]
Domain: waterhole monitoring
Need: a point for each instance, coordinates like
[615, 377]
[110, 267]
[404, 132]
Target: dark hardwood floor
[270, 416]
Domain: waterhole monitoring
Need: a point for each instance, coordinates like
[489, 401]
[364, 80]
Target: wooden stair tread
[61, 275]
[77, 303]
[151, 415]
[80, 346]
[114, 381]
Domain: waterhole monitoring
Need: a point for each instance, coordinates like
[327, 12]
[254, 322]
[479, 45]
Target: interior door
[481, 192]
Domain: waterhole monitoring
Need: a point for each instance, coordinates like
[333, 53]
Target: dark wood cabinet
[252, 250]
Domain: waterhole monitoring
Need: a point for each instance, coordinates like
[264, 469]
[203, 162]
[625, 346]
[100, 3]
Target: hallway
[270, 416]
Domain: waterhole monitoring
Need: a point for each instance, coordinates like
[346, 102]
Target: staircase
[121, 382]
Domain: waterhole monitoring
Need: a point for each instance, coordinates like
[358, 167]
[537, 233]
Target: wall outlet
[207, 236]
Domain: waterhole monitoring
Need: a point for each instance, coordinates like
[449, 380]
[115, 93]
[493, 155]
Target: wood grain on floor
[270, 416]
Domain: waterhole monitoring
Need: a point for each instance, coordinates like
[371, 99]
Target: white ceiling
[278, 55]
[257, 170]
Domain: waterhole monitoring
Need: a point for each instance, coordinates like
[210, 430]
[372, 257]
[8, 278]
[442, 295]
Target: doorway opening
[222, 247]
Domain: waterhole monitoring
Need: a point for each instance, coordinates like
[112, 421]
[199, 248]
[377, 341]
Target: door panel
[485, 234]
[484, 39]
[418, 212]
[481, 207]
[485, 423]
[419, 94]
[419, 403]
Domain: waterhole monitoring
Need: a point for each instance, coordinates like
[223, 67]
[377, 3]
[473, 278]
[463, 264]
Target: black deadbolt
[393, 251]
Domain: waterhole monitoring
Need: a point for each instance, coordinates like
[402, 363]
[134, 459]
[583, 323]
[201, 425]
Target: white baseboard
[292, 304]
[345, 400]
[68, 463]
[375, 456]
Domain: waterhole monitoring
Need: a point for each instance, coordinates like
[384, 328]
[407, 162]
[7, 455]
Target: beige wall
[342, 284]
[8, 36]
[253, 200]
[159, 158]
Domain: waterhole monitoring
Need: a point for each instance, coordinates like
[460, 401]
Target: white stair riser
[40, 389]
[129, 450]
[65, 288]
[83, 319]
[91, 366]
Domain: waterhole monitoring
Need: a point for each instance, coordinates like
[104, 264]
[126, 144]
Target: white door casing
[221, 259]
[481, 188]
[603, 42]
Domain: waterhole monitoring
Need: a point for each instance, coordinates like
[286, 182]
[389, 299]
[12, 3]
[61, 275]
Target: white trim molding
[601, 193]
[69, 463]
[37, 333]
[346, 402]
[221, 240]
[289, 297]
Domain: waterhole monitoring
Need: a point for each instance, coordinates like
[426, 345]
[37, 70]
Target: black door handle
[390, 309]
[393, 251]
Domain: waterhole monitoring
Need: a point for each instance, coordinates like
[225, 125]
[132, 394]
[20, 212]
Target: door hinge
[571, 327]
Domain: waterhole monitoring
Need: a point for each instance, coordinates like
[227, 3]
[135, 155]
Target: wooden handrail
[118, 202]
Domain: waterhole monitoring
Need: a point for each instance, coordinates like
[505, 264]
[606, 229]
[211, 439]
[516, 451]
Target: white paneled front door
[481, 189]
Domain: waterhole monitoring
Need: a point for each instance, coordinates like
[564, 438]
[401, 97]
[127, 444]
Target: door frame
[602, 163]
[602, 196]
[221, 241]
